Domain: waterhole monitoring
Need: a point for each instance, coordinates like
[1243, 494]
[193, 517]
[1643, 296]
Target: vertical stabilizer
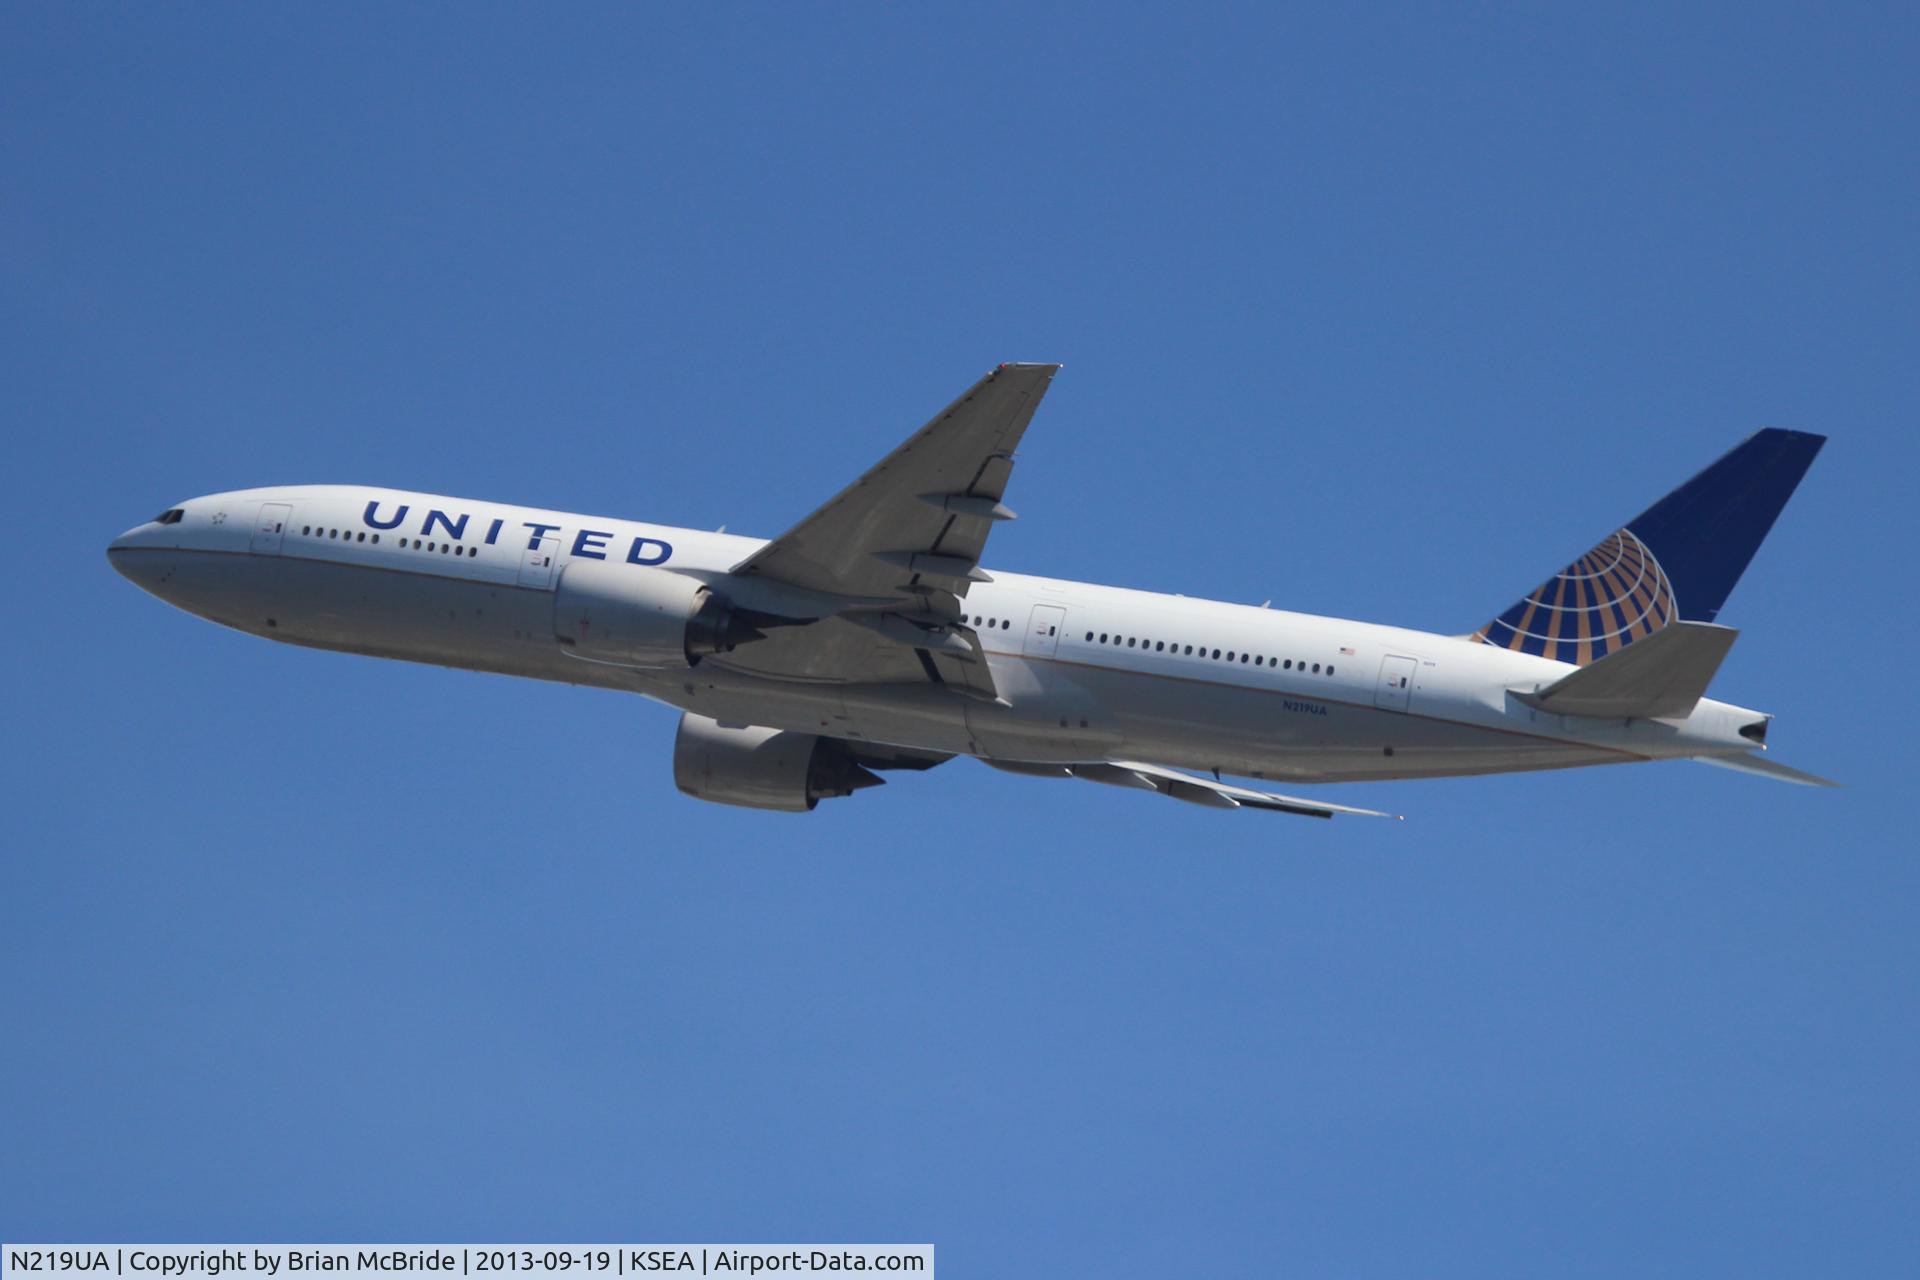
[1676, 561]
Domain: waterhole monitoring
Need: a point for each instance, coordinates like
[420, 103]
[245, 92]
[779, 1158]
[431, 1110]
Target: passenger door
[271, 527]
[1043, 630]
[536, 563]
[1395, 689]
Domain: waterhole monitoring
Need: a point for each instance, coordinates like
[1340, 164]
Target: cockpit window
[170, 516]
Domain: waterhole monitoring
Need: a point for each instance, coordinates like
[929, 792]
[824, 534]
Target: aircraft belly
[1292, 736]
[1112, 714]
[455, 622]
[1028, 725]
[1049, 710]
[920, 715]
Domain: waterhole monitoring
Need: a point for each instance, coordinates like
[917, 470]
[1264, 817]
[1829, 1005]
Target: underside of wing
[1192, 788]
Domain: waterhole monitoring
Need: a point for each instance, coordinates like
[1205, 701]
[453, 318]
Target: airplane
[868, 638]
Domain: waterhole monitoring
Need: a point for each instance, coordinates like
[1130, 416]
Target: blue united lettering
[649, 551]
[456, 529]
[372, 516]
[588, 544]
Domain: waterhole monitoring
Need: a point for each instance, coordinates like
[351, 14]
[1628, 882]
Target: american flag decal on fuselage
[1605, 600]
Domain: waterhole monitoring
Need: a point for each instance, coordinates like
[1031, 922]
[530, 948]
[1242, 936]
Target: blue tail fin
[1677, 560]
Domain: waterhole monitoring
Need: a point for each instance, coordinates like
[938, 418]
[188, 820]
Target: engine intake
[762, 768]
[638, 617]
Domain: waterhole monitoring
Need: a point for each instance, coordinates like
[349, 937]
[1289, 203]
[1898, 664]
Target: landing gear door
[271, 527]
[1043, 630]
[536, 563]
[1395, 689]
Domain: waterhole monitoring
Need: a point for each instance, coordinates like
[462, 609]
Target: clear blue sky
[1385, 315]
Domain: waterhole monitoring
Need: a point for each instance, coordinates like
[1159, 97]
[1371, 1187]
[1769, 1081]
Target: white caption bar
[489, 1261]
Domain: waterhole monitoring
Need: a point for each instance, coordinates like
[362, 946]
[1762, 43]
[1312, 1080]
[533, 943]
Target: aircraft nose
[139, 555]
[123, 555]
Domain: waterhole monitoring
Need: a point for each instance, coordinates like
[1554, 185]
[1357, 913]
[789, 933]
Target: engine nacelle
[638, 617]
[762, 768]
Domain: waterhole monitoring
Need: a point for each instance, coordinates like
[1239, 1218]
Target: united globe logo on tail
[1705, 533]
[1613, 595]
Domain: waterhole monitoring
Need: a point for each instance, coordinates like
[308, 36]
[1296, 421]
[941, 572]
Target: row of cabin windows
[1255, 659]
[341, 535]
[442, 547]
[348, 535]
[991, 623]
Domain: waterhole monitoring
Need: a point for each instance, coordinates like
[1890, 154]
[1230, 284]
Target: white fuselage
[1082, 672]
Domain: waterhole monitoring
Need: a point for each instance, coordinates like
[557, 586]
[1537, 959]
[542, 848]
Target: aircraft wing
[1761, 766]
[911, 529]
[1192, 788]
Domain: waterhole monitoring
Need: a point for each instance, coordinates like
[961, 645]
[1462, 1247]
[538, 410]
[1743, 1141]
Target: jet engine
[638, 617]
[763, 768]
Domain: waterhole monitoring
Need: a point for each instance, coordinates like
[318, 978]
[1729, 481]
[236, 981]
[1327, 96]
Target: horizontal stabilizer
[1662, 675]
[1762, 767]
